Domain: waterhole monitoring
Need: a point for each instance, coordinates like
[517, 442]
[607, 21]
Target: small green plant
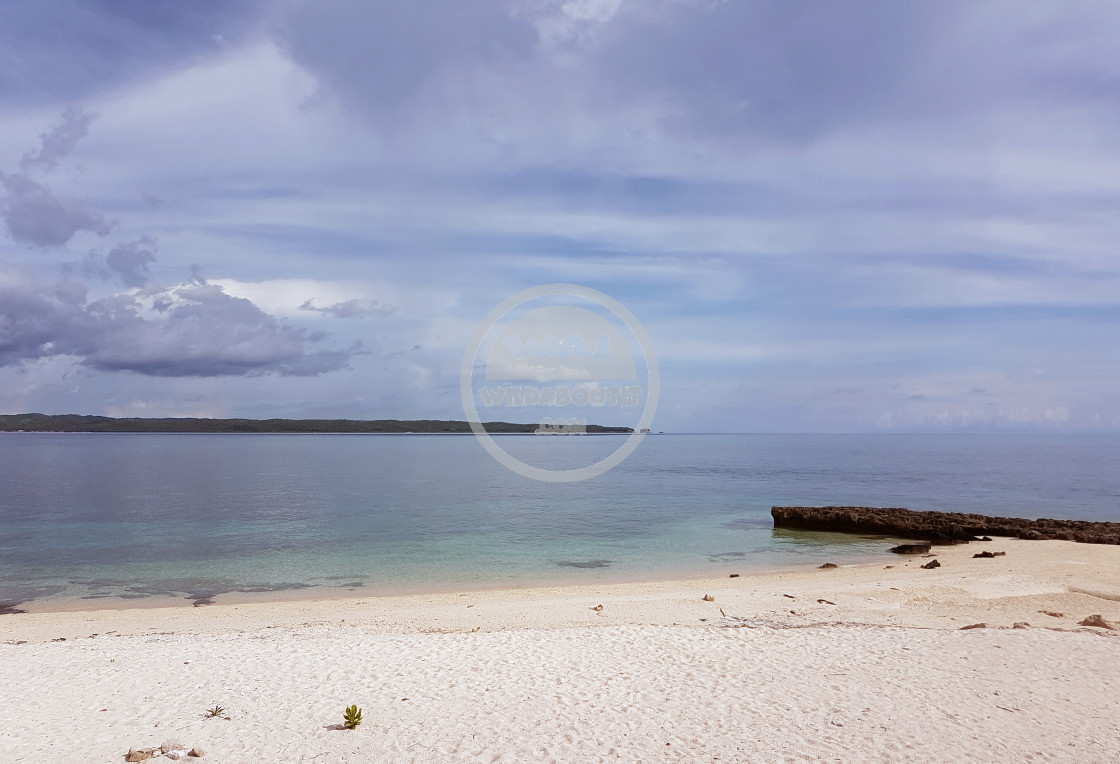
[352, 717]
[215, 711]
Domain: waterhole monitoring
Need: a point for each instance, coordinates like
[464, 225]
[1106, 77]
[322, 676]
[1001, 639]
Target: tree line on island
[81, 423]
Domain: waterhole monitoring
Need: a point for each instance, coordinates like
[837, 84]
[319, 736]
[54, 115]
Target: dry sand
[884, 674]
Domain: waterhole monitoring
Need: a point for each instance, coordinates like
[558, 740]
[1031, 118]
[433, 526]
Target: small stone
[734, 575]
[829, 566]
[1099, 622]
[175, 755]
[171, 745]
[837, 723]
[198, 753]
[1052, 613]
[709, 598]
[825, 602]
[974, 626]
[1021, 625]
[134, 755]
[931, 564]
[598, 608]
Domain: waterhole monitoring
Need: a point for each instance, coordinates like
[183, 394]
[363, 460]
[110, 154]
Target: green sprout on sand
[215, 711]
[352, 717]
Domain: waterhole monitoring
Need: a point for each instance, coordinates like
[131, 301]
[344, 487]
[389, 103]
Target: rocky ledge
[939, 527]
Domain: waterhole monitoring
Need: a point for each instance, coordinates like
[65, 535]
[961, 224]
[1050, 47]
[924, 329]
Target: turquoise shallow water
[98, 517]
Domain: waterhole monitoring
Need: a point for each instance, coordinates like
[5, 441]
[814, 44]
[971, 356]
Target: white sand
[883, 675]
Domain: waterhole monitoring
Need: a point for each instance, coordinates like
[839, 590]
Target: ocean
[89, 520]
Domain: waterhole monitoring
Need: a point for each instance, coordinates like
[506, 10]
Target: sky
[829, 216]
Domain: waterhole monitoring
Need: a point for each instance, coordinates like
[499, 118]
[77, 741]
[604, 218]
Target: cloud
[191, 330]
[385, 54]
[697, 67]
[611, 84]
[356, 308]
[799, 201]
[31, 211]
[129, 261]
[35, 216]
[58, 142]
[71, 48]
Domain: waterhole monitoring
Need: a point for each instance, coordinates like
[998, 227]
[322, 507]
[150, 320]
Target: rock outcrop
[911, 549]
[939, 527]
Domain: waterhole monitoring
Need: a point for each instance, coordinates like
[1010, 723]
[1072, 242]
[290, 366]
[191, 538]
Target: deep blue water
[102, 516]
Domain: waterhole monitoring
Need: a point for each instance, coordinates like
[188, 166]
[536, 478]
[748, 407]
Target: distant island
[79, 423]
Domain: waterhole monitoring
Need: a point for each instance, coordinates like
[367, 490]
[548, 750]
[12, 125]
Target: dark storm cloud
[35, 216]
[201, 332]
[356, 308]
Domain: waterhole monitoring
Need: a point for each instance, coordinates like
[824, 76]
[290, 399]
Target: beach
[864, 662]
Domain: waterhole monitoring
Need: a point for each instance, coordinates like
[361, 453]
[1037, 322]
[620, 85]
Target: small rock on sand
[829, 565]
[709, 598]
[197, 752]
[1021, 625]
[139, 754]
[1052, 613]
[598, 608]
[1099, 622]
[989, 555]
[974, 626]
[734, 575]
[931, 564]
[172, 745]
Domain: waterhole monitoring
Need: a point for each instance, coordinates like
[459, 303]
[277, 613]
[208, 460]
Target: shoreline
[313, 589]
[858, 663]
[1060, 575]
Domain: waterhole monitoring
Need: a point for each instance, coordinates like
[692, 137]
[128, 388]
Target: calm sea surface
[90, 517]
